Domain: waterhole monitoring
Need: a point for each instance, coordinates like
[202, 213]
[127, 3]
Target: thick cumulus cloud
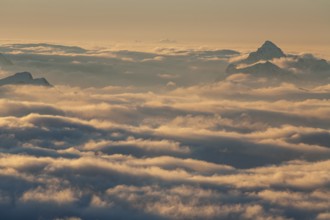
[238, 148]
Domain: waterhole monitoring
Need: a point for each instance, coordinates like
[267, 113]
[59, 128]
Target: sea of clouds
[163, 135]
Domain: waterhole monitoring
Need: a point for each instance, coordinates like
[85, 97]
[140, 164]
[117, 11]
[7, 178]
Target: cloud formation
[102, 67]
[235, 148]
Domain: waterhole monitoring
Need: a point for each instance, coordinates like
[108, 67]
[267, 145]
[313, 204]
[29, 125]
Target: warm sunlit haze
[296, 23]
[154, 109]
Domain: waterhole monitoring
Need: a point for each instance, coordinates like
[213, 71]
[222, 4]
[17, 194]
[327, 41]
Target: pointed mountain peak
[270, 47]
[267, 51]
[269, 44]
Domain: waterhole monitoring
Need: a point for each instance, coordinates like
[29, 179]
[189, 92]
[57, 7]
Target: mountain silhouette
[259, 62]
[262, 63]
[260, 68]
[24, 78]
[267, 51]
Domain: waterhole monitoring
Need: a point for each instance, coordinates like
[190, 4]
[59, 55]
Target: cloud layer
[235, 148]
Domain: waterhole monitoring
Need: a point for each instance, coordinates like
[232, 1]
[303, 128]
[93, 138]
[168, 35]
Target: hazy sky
[303, 22]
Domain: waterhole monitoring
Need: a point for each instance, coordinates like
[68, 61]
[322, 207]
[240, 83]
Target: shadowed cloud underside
[163, 135]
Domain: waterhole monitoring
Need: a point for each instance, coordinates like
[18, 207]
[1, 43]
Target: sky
[212, 22]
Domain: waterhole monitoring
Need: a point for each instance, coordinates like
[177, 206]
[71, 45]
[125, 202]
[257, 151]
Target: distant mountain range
[24, 78]
[261, 63]
[257, 69]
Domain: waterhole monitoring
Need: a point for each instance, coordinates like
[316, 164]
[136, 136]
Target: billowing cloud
[234, 147]
[102, 67]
